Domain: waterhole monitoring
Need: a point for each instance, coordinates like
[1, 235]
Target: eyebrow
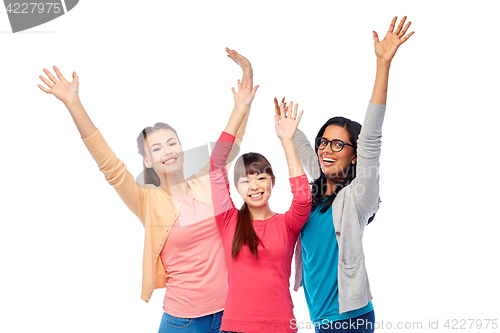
[159, 143]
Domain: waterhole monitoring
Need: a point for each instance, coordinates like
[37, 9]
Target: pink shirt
[258, 298]
[194, 261]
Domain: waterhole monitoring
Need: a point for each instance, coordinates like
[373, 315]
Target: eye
[338, 144]
[173, 144]
[156, 149]
[244, 181]
[262, 178]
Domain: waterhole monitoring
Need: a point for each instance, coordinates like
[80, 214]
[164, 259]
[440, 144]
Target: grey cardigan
[352, 208]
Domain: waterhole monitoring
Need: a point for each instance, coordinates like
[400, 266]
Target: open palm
[386, 49]
[61, 88]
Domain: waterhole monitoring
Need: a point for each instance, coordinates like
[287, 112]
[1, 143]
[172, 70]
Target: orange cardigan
[151, 204]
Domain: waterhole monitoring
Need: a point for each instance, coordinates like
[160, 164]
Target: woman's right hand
[244, 97]
[62, 89]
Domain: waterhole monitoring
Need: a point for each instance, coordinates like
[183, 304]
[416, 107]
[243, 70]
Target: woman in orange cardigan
[182, 248]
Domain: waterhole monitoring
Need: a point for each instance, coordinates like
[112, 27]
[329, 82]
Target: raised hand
[240, 61]
[62, 89]
[386, 49]
[287, 121]
[244, 96]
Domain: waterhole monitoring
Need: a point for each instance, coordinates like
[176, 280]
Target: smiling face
[335, 164]
[163, 152]
[255, 189]
[254, 180]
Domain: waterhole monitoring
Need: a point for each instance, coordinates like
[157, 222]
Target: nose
[253, 185]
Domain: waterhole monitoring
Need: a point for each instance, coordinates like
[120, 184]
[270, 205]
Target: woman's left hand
[287, 121]
[386, 49]
[240, 61]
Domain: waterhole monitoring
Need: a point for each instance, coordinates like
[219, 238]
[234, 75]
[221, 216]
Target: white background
[71, 252]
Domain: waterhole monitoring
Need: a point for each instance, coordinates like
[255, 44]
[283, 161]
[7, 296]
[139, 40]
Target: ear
[273, 181]
[147, 163]
[354, 160]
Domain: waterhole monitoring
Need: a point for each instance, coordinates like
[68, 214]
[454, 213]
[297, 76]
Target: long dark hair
[319, 185]
[150, 176]
[248, 164]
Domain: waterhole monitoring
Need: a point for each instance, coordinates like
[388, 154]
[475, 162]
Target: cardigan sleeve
[116, 173]
[365, 187]
[307, 155]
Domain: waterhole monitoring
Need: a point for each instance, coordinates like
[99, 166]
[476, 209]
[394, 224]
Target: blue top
[320, 255]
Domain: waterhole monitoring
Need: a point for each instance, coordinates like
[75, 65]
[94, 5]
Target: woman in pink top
[182, 248]
[258, 243]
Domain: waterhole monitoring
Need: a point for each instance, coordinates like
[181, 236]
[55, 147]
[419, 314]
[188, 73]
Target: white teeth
[256, 195]
[170, 160]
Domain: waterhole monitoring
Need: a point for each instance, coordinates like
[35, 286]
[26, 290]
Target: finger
[299, 117]
[232, 89]
[276, 107]
[239, 85]
[402, 33]
[276, 120]
[406, 38]
[375, 37]
[44, 89]
[282, 111]
[254, 90]
[400, 25]
[75, 77]
[49, 74]
[47, 82]
[294, 114]
[58, 73]
[289, 109]
[393, 24]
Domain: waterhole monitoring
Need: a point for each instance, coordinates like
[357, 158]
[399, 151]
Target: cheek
[242, 190]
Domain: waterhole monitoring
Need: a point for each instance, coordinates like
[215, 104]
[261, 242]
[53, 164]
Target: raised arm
[286, 124]
[366, 184]
[247, 69]
[113, 168]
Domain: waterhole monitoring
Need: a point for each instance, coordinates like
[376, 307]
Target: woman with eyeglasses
[182, 247]
[330, 263]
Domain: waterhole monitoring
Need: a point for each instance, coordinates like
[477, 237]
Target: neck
[331, 185]
[175, 184]
[261, 213]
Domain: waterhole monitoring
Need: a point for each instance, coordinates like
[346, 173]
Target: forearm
[80, 117]
[238, 114]
[247, 74]
[295, 168]
[379, 95]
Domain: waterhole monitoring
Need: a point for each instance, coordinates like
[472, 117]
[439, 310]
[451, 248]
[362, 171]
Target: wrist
[383, 63]
[72, 101]
[286, 142]
[243, 108]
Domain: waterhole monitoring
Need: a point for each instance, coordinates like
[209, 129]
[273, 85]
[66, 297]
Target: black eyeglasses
[335, 145]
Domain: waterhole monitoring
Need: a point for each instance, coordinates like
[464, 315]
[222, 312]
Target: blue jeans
[206, 324]
[361, 324]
